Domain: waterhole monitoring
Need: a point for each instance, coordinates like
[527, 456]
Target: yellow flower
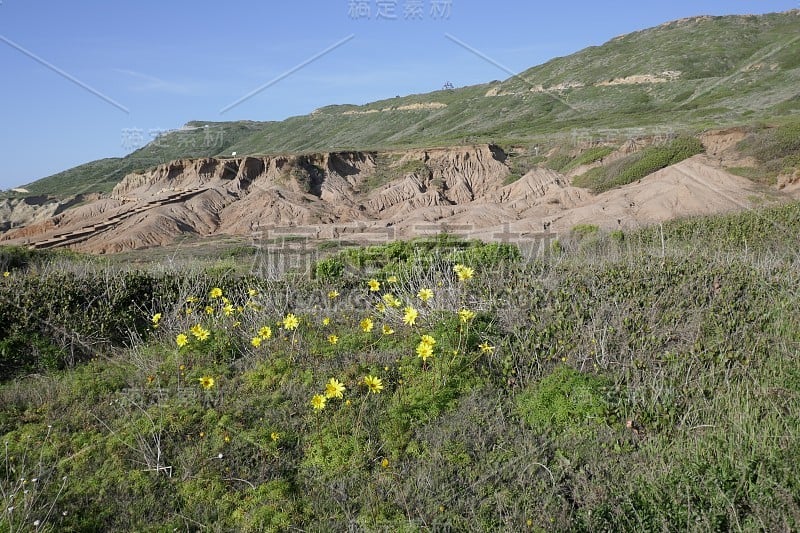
[366, 325]
[199, 332]
[256, 341]
[225, 301]
[252, 292]
[425, 295]
[318, 402]
[191, 299]
[274, 436]
[379, 307]
[182, 340]
[486, 347]
[391, 279]
[427, 339]
[189, 310]
[424, 351]
[464, 273]
[385, 463]
[391, 300]
[209, 310]
[6, 274]
[410, 316]
[465, 315]
[374, 384]
[290, 322]
[207, 382]
[333, 294]
[216, 292]
[228, 310]
[334, 389]
[326, 321]
[333, 339]
[374, 285]
[155, 319]
[387, 330]
[265, 332]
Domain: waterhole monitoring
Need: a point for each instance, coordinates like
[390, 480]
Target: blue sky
[148, 66]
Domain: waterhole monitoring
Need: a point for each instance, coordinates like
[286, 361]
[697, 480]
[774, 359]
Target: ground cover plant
[645, 380]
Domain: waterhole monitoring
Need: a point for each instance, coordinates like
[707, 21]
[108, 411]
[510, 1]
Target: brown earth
[361, 195]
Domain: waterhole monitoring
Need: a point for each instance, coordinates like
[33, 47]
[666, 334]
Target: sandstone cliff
[358, 194]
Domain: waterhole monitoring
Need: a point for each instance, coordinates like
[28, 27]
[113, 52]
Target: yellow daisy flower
[465, 315]
[318, 402]
[410, 316]
[374, 384]
[290, 322]
[366, 325]
[424, 351]
[464, 273]
[391, 300]
[334, 389]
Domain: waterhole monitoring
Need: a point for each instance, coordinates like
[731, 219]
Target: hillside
[681, 76]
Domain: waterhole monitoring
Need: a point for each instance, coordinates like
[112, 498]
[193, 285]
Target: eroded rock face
[22, 212]
[359, 193]
[238, 196]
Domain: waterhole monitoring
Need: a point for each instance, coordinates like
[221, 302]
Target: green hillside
[703, 72]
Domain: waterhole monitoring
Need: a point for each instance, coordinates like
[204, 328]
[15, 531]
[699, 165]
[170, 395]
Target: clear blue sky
[171, 61]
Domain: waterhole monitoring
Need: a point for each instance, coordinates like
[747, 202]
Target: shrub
[566, 398]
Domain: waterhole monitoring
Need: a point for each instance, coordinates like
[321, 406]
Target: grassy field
[621, 381]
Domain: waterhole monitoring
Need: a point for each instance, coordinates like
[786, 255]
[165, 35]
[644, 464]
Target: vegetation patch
[776, 149]
[638, 165]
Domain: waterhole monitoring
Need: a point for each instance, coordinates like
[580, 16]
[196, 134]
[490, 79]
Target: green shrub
[566, 398]
[584, 231]
[559, 161]
[589, 156]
